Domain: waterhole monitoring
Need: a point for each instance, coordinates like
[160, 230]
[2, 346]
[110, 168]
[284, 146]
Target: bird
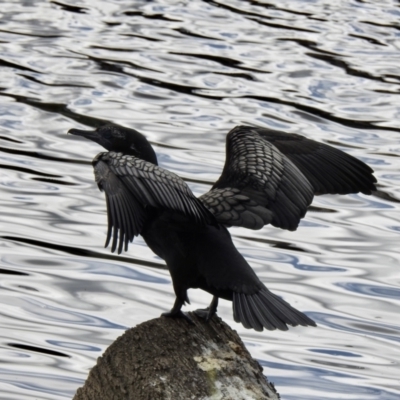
[269, 177]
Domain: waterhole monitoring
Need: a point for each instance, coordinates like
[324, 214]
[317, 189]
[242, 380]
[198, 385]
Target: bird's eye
[109, 131]
[105, 132]
[116, 133]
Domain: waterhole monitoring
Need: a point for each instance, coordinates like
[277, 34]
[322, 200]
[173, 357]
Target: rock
[170, 359]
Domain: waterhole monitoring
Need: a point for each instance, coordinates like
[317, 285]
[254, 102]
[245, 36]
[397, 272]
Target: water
[184, 73]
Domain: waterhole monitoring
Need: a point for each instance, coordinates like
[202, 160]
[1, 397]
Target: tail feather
[283, 310]
[263, 320]
[269, 314]
[253, 318]
[266, 310]
[240, 315]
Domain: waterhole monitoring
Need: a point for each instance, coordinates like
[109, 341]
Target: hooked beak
[92, 135]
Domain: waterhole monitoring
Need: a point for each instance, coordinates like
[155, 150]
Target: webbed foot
[202, 312]
[208, 313]
[178, 314]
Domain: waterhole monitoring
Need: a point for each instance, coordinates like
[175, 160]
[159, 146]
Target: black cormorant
[269, 177]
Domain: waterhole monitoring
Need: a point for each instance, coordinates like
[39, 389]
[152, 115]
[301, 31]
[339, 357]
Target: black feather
[268, 177]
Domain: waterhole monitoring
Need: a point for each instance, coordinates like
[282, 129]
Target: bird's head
[122, 140]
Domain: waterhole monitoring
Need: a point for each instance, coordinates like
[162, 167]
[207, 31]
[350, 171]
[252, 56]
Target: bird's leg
[177, 313]
[208, 313]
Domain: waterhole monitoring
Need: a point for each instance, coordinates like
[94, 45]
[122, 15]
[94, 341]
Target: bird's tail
[266, 310]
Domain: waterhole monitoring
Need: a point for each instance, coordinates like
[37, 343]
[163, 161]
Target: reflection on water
[184, 73]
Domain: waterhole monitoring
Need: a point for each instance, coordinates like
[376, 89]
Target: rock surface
[170, 359]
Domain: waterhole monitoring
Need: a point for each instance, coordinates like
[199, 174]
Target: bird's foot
[178, 314]
[209, 312]
[203, 313]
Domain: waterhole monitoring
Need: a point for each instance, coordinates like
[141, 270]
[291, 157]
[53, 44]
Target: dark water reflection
[185, 73]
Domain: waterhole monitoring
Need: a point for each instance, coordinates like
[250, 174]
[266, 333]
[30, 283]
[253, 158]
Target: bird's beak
[92, 135]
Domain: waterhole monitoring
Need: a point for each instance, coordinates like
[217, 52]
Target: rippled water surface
[184, 73]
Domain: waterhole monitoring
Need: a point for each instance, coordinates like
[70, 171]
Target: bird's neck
[147, 153]
[141, 148]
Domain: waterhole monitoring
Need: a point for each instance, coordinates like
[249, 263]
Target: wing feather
[131, 185]
[342, 173]
[125, 214]
[271, 177]
[276, 191]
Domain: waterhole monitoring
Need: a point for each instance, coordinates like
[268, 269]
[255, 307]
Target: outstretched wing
[329, 170]
[232, 208]
[271, 176]
[131, 185]
[258, 185]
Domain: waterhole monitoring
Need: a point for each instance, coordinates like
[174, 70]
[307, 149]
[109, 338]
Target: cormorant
[269, 177]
